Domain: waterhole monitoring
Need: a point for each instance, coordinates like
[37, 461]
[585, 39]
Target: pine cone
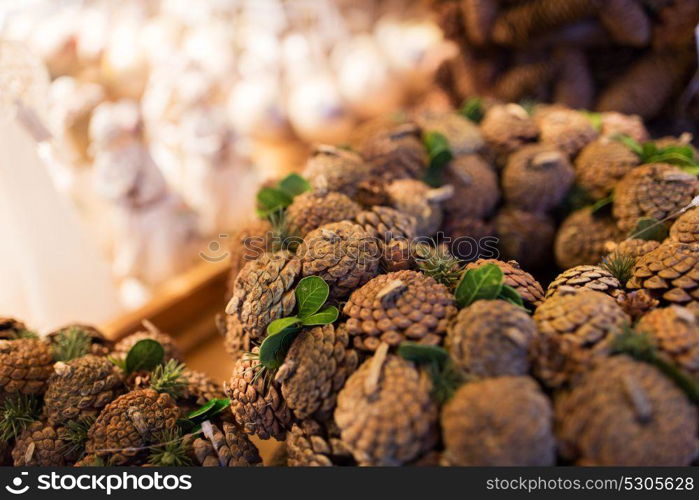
[172, 350]
[626, 22]
[404, 305]
[199, 389]
[675, 331]
[575, 86]
[236, 341]
[417, 199]
[633, 247]
[686, 228]
[637, 303]
[537, 178]
[264, 291]
[311, 210]
[225, 448]
[491, 338]
[626, 413]
[614, 123]
[508, 127]
[386, 224]
[341, 253]
[385, 412]
[309, 444]
[576, 328]
[10, 328]
[99, 344]
[601, 164]
[504, 421]
[469, 237]
[588, 278]
[583, 238]
[25, 366]
[248, 243]
[525, 284]
[258, 407]
[129, 423]
[42, 445]
[565, 129]
[335, 169]
[655, 190]
[478, 16]
[525, 237]
[463, 135]
[315, 369]
[677, 22]
[670, 273]
[475, 186]
[524, 80]
[81, 388]
[396, 154]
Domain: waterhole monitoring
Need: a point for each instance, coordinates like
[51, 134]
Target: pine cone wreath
[172, 350]
[615, 124]
[576, 327]
[42, 445]
[315, 368]
[567, 130]
[601, 164]
[25, 366]
[463, 136]
[503, 421]
[385, 412]
[81, 388]
[396, 154]
[508, 127]
[264, 291]
[525, 237]
[310, 444]
[398, 306]
[256, 403]
[313, 209]
[588, 278]
[537, 178]
[525, 284]
[686, 228]
[626, 413]
[475, 184]
[491, 338]
[583, 238]
[341, 253]
[419, 200]
[335, 169]
[670, 273]
[129, 424]
[225, 446]
[248, 243]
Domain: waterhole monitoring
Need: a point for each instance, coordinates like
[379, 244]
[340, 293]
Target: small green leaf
[209, 409]
[600, 205]
[311, 294]
[440, 155]
[484, 282]
[512, 296]
[274, 348]
[630, 143]
[472, 109]
[271, 199]
[203, 410]
[281, 324]
[145, 354]
[294, 185]
[649, 229]
[423, 354]
[324, 317]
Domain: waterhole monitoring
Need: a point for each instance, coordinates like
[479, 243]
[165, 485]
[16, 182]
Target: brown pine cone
[42, 445]
[508, 127]
[655, 190]
[626, 22]
[385, 412]
[614, 123]
[264, 292]
[225, 446]
[25, 366]
[675, 331]
[583, 238]
[315, 369]
[601, 164]
[341, 253]
[686, 228]
[335, 169]
[248, 243]
[478, 16]
[397, 255]
[524, 80]
[416, 198]
[403, 305]
[257, 406]
[199, 390]
[81, 388]
[588, 278]
[670, 273]
[565, 129]
[475, 184]
[491, 338]
[236, 341]
[130, 423]
[637, 303]
[310, 444]
[313, 209]
[525, 237]
[633, 247]
[463, 136]
[525, 284]
[172, 350]
[469, 236]
[386, 224]
[677, 22]
[626, 413]
[503, 421]
[396, 154]
[576, 327]
[11, 329]
[575, 86]
[537, 178]
[99, 344]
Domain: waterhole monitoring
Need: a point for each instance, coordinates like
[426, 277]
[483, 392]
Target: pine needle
[169, 378]
[620, 266]
[438, 263]
[70, 344]
[284, 237]
[172, 450]
[75, 435]
[17, 413]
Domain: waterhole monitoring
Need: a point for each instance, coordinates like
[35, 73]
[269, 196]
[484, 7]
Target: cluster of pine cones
[67, 400]
[600, 368]
[631, 56]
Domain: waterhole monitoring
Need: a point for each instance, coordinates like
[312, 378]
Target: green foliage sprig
[144, 355]
[472, 109]
[70, 344]
[649, 152]
[486, 282]
[17, 412]
[440, 155]
[446, 377]
[192, 422]
[271, 200]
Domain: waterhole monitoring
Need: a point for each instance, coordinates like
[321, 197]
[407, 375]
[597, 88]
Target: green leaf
[630, 143]
[484, 282]
[311, 294]
[145, 354]
[271, 199]
[472, 109]
[423, 354]
[294, 185]
[274, 348]
[599, 205]
[649, 229]
[281, 324]
[210, 409]
[594, 118]
[324, 317]
[512, 296]
[440, 155]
